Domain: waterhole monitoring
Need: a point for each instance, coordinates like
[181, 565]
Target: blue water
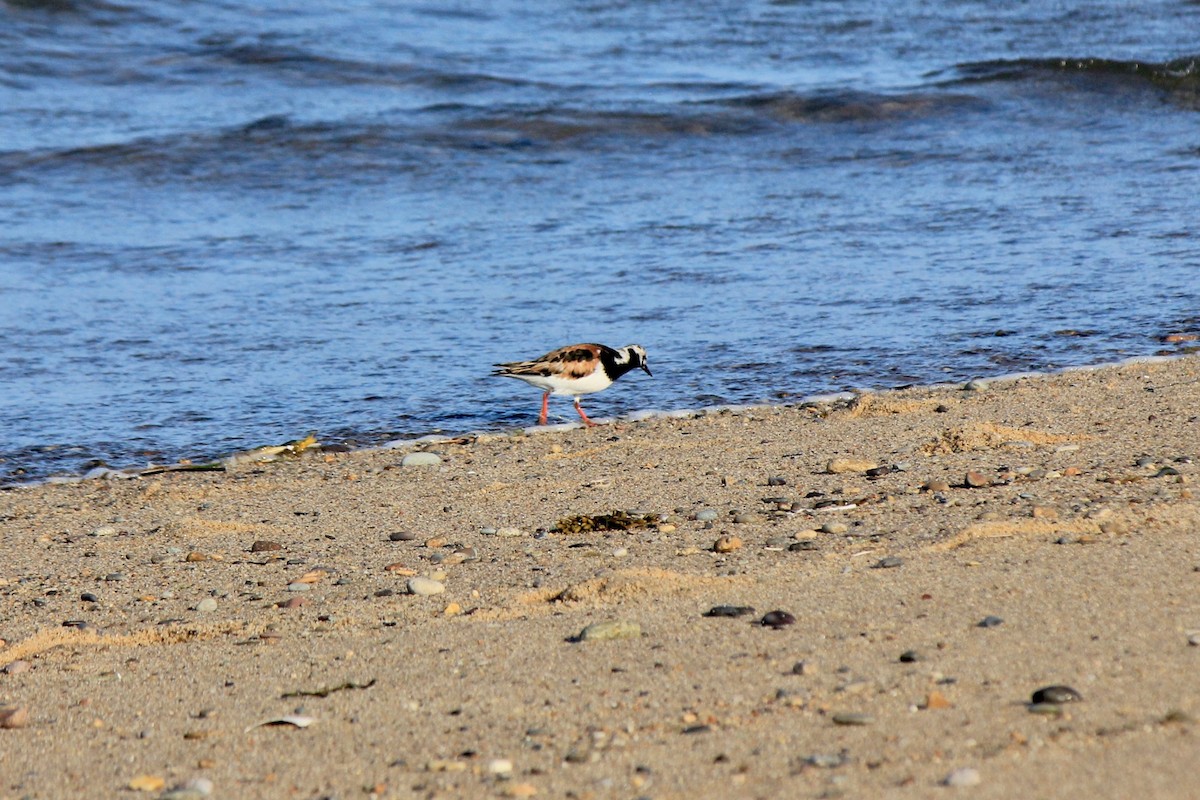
[225, 225]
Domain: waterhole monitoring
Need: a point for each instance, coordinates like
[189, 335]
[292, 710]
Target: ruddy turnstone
[575, 370]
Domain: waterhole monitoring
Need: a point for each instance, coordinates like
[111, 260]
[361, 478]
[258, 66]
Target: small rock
[604, 631]
[729, 611]
[113, 577]
[16, 667]
[805, 544]
[841, 466]
[89, 597]
[835, 527]
[499, 766]
[421, 460]
[888, 562]
[105, 530]
[520, 790]
[402, 536]
[509, 532]
[147, 783]
[399, 568]
[936, 700]
[990, 621]
[935, 486]
[852, 718]
[976, 480]
[804, 668]
[910, 657]
[727, 544]
[299, 587]
[705, 515]
[424, 586]
[264, 546]
[295, 602]
[206, 605]
[777, 619]
[745, 518]
[196, 555]
[14, 717]
[963, 777]
[1056, 694]
[776, 480]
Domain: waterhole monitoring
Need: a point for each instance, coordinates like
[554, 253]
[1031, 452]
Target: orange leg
[584, 416]
[545, 408]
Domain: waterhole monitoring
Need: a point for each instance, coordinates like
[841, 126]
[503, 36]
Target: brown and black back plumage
[575, 370]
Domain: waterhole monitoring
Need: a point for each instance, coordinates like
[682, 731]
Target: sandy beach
[940, 554]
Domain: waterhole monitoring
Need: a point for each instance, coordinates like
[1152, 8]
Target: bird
[575, 370]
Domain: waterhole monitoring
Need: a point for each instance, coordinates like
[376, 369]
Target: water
[227, 224]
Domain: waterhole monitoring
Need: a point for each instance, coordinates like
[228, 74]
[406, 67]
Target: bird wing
[572, 361]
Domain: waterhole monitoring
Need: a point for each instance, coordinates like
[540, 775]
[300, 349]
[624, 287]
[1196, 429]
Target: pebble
[402, 536]
[745, 518]
[1056, 694]
[603, 631]
[192, 790]
[727, 544]
[509, 532]
[729, 611]
[835, 527]
[499, 766]
[207, 604]
[910, 657]
[295, 602]
[804, 668]
[990, 621]
[16, 667]
[776, 480]
[976, 480]
[299, 587]
[115, 576]
[424, 586]
[806, 544]
[852, 718]
[777, 619]
[963, 777]
[888, 562]
[840, 466]
[105, 530]
[421, 460]
[936, 486]
[705, 515]
[264, 546]
[89, 597]
[14, 717]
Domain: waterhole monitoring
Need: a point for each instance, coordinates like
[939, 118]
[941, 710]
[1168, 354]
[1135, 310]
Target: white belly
[555, 385]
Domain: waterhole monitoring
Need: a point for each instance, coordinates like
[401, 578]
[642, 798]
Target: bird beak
[647, 370]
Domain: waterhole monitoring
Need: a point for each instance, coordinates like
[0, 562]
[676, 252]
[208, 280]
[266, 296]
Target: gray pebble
[603, 631]
[207, 604]
[776, 480]
[705, 515]
[115, 576]
[852, 718]
[910, 657]
[804, 544]
[888, 562]
[421, 460]
[963, 777]
[424, 587]
[835, 527]
[1056, 694]
[299, 587]
[402, 536]
[89, 597]
[990, 621]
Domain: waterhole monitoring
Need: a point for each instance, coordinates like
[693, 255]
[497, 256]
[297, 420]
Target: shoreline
[257, 455]
[430, 619]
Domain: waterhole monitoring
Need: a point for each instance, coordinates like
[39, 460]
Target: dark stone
[777, 619]
[1056, 694]
[729, 611]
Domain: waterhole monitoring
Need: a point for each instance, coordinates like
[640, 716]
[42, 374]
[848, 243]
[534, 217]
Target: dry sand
[1084, 539]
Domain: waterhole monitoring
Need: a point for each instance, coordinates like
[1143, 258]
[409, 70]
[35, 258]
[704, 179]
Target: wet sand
[1082, 535]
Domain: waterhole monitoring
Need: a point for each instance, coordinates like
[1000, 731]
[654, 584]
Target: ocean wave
[1178, 79]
